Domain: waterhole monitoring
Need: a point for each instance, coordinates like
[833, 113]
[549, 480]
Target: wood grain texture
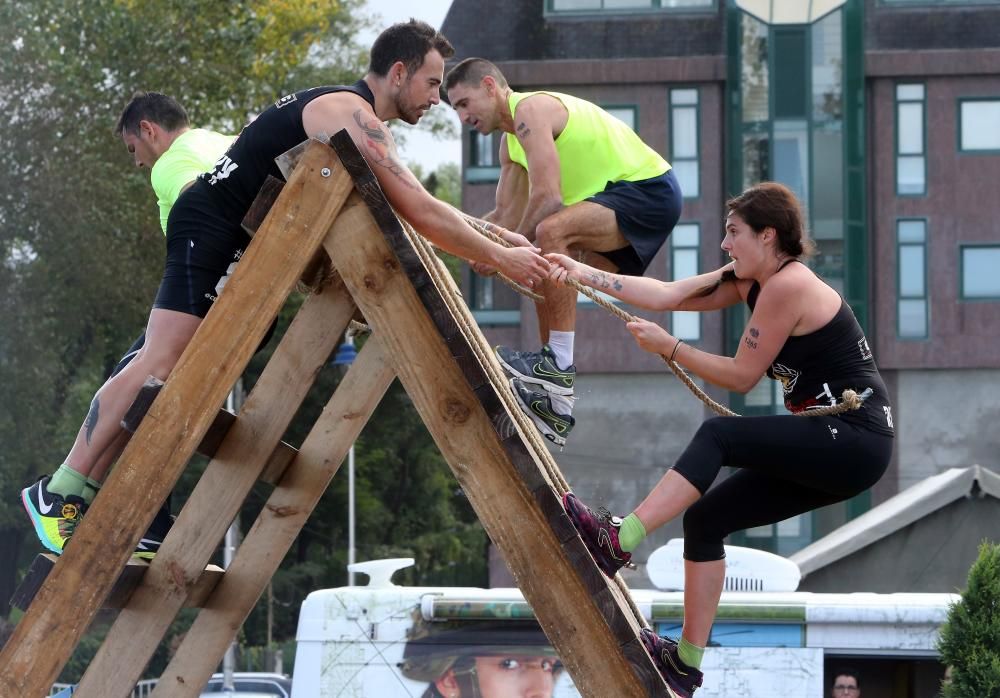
[216, 500]
[153, 460]
[126, 583]
[274, 532]
[572, 600]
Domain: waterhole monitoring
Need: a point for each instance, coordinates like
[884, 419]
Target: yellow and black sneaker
[54, 517]
[538, 406]
[150, 542]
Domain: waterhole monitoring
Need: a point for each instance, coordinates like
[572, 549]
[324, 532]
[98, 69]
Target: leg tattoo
[90, 423]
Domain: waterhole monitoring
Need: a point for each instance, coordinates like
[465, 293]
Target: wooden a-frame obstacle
[330, 203]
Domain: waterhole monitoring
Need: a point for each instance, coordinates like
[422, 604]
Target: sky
[418, 148]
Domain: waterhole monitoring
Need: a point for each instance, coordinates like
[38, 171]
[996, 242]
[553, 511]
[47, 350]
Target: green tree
[81, 255]
[80, 248]
[970, 639]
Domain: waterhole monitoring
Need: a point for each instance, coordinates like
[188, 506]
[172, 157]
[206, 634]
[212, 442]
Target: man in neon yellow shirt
[574, 180]
[156, 131]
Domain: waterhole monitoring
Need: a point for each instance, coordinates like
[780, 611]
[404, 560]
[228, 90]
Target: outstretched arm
[778, 310]
[649, 293]
[434, 219]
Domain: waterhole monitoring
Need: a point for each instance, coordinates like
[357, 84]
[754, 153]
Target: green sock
[631, 533]
[690, 654]
[90, 490]
[66, 481]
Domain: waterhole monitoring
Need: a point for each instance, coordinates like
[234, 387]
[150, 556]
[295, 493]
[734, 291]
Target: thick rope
[487, 358]
[850, 400]
[477, 225]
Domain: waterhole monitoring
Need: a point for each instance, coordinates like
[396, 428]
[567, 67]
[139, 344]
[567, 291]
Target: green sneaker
[538, 406]
[54, 517]
[538, 368]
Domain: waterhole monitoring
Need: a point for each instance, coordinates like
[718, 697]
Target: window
[484, 157]
[626, 114]
[979, 125]
[626, 5]
[939, 2]
[684, 140]
[911, 279]
[979, 265]
[684, 244]
[911, 163]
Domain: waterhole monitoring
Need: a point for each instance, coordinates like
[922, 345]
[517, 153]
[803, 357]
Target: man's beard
[406, 113]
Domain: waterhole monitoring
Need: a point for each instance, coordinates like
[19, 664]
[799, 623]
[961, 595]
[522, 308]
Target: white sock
[561, 344]
[562, 404]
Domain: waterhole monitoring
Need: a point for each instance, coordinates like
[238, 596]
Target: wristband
[676, 347]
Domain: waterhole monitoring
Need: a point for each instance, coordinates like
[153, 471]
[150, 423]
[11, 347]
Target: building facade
[882, 115]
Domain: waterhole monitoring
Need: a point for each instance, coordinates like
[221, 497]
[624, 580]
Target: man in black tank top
[205, 240]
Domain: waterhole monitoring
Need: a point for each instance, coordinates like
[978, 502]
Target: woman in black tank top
[801, 333]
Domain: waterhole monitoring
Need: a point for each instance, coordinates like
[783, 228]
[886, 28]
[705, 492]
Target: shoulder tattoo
[379, 147]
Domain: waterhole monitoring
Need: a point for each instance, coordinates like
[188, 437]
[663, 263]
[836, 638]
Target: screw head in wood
[325, 172]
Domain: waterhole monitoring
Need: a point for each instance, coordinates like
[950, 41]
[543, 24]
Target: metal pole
[350, 515]
[233, 403]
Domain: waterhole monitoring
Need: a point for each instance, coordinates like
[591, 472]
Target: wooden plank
[153, 460]
[384, 274]
[316, 272]
[262, 204]
[126, 583]
[274, 532]
[282, 455]
[304, 349]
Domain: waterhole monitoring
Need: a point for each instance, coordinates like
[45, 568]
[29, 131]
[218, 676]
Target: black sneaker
[151, 541]
[682, 679]
[53, 516]
[599, 532]
[538, 406]
[538, 368]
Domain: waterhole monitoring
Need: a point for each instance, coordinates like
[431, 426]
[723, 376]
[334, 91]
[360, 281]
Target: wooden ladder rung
[123, 587]
[281, 456]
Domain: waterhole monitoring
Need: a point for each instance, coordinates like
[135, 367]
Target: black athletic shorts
[202, 251]
[646, 212]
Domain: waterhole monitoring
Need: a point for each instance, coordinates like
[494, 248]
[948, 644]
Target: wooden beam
[281, 520]
[280, 457]
[155, 457]
[126, 583]
[304, 349]
[595, 634]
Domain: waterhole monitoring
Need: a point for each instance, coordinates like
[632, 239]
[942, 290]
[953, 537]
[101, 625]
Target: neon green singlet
[594, 148]
[193, 152]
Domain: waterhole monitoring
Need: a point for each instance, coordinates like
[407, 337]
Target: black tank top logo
[866, 352]
[788, 376]
[224, 167]
[286, 100]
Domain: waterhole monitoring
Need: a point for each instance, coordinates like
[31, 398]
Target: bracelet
[676, 347]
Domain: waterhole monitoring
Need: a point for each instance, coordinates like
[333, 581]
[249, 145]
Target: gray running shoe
[538, 368]
[538, 406]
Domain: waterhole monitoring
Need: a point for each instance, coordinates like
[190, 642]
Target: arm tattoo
[754, 333]
[379, 147]
[523, 131]
[600, 279]
[90, 423]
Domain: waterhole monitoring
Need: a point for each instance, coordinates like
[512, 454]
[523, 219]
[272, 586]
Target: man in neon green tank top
[573, 180]
[163, 140]
[157, 133]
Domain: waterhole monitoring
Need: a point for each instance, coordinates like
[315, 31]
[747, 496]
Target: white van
[386, 640]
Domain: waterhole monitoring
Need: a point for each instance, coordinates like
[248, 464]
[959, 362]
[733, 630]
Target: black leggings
[788, 465]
